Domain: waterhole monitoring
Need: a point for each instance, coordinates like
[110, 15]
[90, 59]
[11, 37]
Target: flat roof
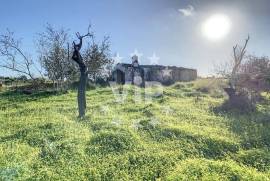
[155, 66]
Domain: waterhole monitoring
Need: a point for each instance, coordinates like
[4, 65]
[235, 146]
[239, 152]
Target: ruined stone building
[166, 75]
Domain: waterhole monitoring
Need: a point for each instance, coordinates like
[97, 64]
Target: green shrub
[173, 133]
[47, 132]
[99, 126]
[187, 90]
[150, 166]
[9, 173]
[51, 152]
[208, 147]
[256, 158]
[35, 136]
[189, 85]
[202, 169]
[113, 142]
[146, 125]
[212, 86]
[193, 94]
[179, 85]
[216, 148]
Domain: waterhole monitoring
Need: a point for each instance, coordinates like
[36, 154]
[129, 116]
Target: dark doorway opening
[120, 77]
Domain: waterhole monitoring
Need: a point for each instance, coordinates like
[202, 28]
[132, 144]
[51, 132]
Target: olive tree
[94, 57]
[54, 55]
[97, 58]
[248, 76]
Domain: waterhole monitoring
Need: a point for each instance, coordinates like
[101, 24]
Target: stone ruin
[138, 74]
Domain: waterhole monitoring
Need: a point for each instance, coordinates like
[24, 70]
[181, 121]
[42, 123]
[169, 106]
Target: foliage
[212, 86]
[97, 57]
[248, 77]
[251, 80]
[254, 75]
[54, 55]
[202, 169]
[113, 141]
[257, 158]
[173, 137]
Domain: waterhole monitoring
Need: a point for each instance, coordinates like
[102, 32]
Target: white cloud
[188, 11]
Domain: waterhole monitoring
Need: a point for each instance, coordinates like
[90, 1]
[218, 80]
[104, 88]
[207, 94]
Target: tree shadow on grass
[35, 136]
[252, 127]
[19, 97]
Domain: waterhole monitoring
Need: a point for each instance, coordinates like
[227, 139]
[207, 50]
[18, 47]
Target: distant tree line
[9, 80]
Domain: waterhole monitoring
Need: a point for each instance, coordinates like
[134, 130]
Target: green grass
[177, 136]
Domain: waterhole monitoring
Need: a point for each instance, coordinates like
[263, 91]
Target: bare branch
[9, 49]
[90, 34]
[238, 54]
[77, 47]
[17, 70]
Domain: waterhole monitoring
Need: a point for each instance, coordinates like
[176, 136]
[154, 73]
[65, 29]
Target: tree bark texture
[83, 78]
[81, 92]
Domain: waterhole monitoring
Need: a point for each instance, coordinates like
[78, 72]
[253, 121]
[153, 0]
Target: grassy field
[181, 135]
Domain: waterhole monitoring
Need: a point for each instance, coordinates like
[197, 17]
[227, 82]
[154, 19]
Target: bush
[238, 102]
[102, 82]
[256, 158]
[254, 75]
[179, 85]
[202, 169]
[150, 166]
[52, 152]
[99, 126]
[89, 85]
[248, 82]
[193, 94]
[208, 147]
[210, 85]
[113, 142]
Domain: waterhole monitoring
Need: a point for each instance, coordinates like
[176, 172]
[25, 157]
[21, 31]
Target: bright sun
[216, 27]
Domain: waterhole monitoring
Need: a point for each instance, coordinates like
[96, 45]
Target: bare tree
[239, 97]
[93, 63]
[248, 77]
[14, 58]
[230, 69]
[238, 56]
[83, 71]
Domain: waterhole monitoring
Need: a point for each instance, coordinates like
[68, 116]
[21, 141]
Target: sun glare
[216, 27]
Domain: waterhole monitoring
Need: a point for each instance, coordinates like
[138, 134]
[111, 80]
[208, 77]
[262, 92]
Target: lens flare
[216, 27]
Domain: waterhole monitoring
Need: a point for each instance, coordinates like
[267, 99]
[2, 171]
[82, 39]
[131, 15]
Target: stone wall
[163, 74]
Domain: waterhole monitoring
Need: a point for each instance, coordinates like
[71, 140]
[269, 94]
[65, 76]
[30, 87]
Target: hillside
[181, 135]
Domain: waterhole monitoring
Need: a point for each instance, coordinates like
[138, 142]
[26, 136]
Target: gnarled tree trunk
[83, 74]
[82, 83]
[81, 92]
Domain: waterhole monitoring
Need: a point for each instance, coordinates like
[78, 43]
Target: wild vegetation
[54, 62]
[248, 76]
[180, 135]
[209, 129]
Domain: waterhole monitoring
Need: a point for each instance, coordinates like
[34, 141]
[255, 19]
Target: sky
[172, 29]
